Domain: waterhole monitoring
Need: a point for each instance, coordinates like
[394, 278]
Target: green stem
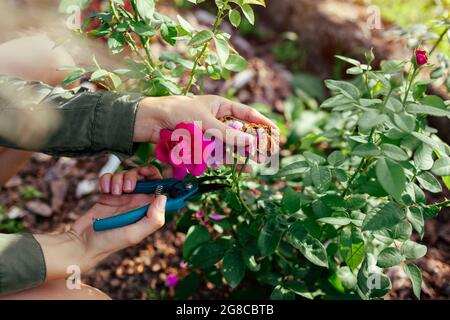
[362, 166]
[410, 82]
[443, 204]
[439, 40]
[202, 52]
[114, 10]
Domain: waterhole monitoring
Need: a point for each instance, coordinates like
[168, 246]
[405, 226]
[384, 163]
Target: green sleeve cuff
[22, 263]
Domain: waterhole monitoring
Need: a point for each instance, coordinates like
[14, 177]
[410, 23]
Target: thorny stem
[202, 52]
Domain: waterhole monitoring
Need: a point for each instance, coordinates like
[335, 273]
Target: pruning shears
[178, 193]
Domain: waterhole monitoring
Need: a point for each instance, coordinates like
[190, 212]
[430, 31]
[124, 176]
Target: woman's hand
[159, 113]
[85, 248]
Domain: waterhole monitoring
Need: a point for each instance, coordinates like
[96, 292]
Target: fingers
[117, 183]
[230, 136]
[243, 112]
[129, 180]
[125, 182]
[151, 173]
[105, 183]
[153, 221]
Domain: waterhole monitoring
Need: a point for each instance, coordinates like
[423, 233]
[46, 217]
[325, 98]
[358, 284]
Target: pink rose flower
[217, 217]
[200, 214]
[183, 149]
[171, 280]
[421, 57]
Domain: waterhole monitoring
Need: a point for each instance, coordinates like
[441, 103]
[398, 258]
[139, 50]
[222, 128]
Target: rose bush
[348, 198]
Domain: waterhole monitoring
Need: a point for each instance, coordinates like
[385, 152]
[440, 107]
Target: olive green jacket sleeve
[22, 264]
[37, 117]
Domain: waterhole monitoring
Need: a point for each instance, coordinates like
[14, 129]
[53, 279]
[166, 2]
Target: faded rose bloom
[171, 280]
[421, 57]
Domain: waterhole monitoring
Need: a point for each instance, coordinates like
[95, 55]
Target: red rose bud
[421, 57]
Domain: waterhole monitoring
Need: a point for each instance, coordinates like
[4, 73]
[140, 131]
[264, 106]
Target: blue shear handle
[135, 215]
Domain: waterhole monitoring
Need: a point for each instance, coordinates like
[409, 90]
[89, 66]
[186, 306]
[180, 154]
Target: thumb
[230, 136]
[154, 219]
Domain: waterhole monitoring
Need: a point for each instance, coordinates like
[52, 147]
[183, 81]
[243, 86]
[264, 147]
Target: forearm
[37, 117]
[60, 252]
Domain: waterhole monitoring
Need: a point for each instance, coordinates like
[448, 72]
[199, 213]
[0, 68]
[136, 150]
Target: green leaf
[312, 157]
[392, 66]
[209, 253]
[310, 247]
[441, 167]
[372, 284]
[401, 231]
[115, 79]
[414, 273]
[394, 105]
[169, 34]
[71, 78]
[236, 63]
[116, 42]
[248, 13]
[233, 267]
[142, 29]
[387, 216]
[446, 181]
[186, 26]
[343, 87]
[389, 257]
[423, 157]
[195, 236]
[429, 182]
[434, 101]
[294, 170]
[336, 158]
[321, 177]
[299, 288]
[351, 246]
[335, 101]
[201, 38]
[366, 150]
[405, 122]
[223, 50]
[413, 250]
[337, 221]
[371, 118]
[393, 152]
[424, 109]
[333, 201]
[391, 177]
[348, 60]
[347, 278]
[291, 201]
[146, 8]
[235, 18]
[415, 217]
[280, 293]
[188, 286]
[269, 237]
[98, 74]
